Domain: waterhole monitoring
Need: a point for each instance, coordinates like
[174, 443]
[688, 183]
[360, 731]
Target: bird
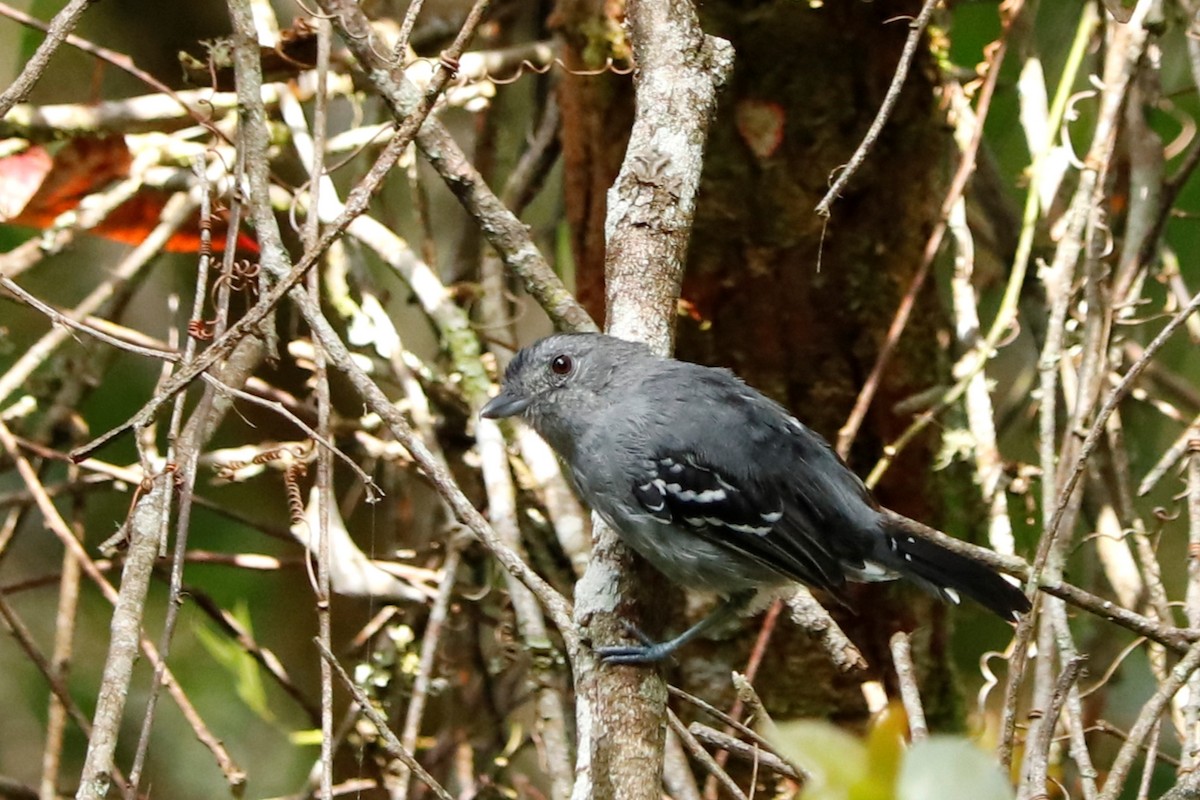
[718, 486]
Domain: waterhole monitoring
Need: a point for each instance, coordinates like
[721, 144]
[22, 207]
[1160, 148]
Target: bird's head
[560, 383]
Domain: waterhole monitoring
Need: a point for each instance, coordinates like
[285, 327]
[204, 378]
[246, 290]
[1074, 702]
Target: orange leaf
[36, 188]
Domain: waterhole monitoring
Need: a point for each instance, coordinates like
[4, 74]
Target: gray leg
[650, 652]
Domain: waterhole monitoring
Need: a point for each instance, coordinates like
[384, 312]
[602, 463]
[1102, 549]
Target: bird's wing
[758, 521]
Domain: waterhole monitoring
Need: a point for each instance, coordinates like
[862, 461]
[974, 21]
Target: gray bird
[716, 485]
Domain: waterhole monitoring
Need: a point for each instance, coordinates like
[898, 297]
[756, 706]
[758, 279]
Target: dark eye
[561, 364]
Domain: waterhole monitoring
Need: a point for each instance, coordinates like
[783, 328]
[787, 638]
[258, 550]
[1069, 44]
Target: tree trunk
[800, 318]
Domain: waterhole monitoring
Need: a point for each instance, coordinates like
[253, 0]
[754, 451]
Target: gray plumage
[715, 484]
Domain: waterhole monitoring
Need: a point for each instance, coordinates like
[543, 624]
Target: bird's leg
[649, 652]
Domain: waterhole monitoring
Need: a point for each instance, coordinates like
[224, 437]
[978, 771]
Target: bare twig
[394, 748]
[1190, 744]
[26, 641]
[1147, 719]
[678, 778]
[149, 517]
[817, 622]
[910, 694]
[958, 184]
[701, 755]
[1178, 639]
[1039, 747]
[62, 25]
[916, 30]
[64, 633]
[503, 230]
[176, 211]
[373, 490]
[743, 751]
[429, 649]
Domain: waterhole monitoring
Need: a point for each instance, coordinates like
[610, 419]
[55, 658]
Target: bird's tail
[947, 573]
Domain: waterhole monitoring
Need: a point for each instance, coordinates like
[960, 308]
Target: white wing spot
[756, 530]
[699, 522]
[706, 496]
[953, 595]
[773, 517]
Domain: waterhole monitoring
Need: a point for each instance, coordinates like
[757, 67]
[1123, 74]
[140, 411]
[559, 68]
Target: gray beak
[505, 404]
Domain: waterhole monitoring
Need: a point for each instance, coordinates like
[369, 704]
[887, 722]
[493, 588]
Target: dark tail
[947, 573]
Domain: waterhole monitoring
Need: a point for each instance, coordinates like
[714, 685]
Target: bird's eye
[561, 364]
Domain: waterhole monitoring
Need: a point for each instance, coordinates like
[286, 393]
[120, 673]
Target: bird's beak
[505, 404]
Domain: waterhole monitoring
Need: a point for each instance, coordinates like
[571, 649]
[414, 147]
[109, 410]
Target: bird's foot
[648, 652]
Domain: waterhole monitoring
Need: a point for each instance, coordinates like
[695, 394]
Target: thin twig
[910, 694]
[1190, 744]
[701, 755]
[64, 22]
[1178, 639]
[263, 656]
[430, 642]
[58, 687]
[744, 752]
[1147, 719]
[679, 779]
[817, 622]
[1038, 747]
[390, 742]
[916, 29]
[814, 619]
[958, 184]
[174, 214]
[60, 661]
[504, 231]
[719, 715]
[373, 491]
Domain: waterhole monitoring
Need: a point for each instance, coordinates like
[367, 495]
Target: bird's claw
[632, 654]
[648, 652]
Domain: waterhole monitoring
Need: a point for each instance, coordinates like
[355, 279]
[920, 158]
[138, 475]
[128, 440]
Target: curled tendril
[201, 329]
[448, 63]
[542, 69]
[241, 277]
[300, 453]
[295, 498]
[524, 67]
[206, 236]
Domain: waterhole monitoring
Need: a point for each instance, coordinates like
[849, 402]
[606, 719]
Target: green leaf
[942, 765]
[839, 763]
[244, 669]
